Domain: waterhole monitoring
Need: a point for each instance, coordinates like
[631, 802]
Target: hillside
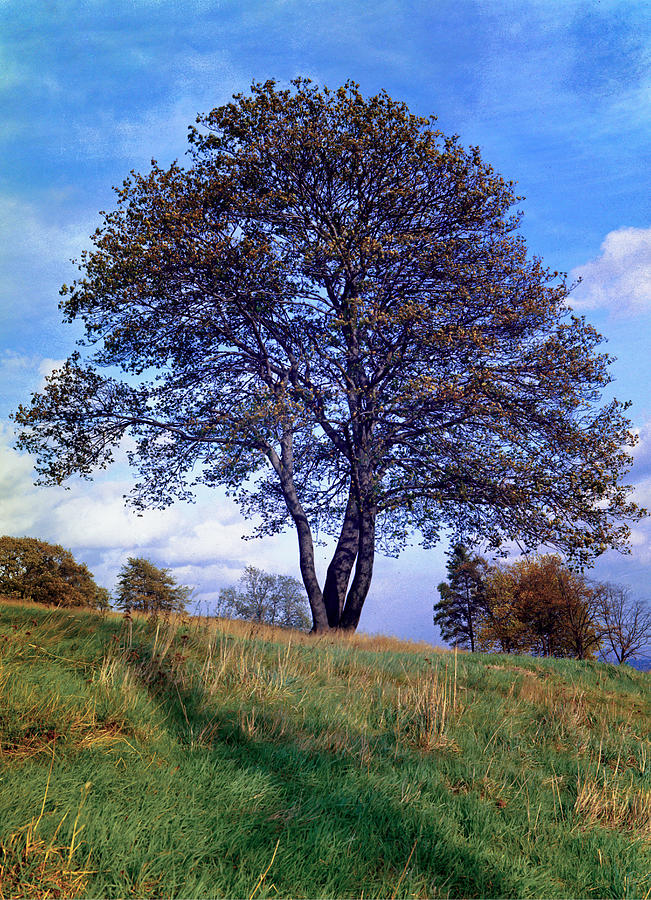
[206, 758]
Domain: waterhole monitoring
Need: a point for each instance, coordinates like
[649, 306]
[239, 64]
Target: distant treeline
[31, 569]
[538, 605]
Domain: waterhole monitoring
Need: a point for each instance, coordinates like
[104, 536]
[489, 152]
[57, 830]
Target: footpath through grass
[212, 759]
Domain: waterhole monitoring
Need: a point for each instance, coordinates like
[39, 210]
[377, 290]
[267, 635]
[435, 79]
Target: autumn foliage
[538, 605]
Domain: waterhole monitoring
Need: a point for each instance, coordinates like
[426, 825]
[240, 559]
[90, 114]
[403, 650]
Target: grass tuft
[32, 866]
[607, 800]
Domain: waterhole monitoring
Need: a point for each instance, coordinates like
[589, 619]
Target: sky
[557, 95]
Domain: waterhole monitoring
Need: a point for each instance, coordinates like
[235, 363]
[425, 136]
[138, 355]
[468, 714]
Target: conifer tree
[460, 608]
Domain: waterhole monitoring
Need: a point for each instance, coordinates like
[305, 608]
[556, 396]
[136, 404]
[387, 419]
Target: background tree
[538, 605]
[266, 598]
[46, 573]
[143, 586]
[461, 607]
[331, 313]
[500, 629]
[581, 618]
[626, 623]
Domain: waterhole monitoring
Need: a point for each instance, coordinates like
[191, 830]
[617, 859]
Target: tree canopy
[46, 573]
[538, 605]
[330, 311]
[144, 587]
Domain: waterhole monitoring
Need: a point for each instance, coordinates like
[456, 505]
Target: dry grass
[573, 716]
[33, 867]
[427, 706]
[604, 800]
[46, 720]
[356, 640]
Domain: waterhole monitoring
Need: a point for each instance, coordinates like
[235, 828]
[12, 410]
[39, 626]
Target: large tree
[330, 312]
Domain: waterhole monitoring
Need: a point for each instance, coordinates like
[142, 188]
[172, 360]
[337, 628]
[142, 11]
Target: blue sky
[556, 94]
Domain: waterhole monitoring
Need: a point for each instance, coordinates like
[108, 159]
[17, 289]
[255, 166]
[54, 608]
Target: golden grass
[33, 867]
[604, 800]
[358, 640]
[426, 708]
[47, 717]
[250, 630]
[355, 640]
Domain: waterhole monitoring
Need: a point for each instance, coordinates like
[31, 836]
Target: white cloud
[619, 279]
[20, 374]
[23, 230]
[640, 478]
[35, 254]
[641, 452]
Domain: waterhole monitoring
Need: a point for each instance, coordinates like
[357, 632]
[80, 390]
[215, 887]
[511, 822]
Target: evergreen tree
[145, 587]
[459, 610]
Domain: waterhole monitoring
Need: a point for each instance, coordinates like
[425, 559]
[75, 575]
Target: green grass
[198, 759]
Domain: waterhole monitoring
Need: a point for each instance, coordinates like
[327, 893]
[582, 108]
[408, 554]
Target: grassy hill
[206, 759]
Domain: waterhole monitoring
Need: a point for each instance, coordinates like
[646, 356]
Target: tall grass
[213, 758]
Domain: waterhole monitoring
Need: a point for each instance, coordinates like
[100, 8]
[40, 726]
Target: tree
[581, 615]
[145, 587]
[461, 607]
[331, 313]
[626, 623]
[501, 628]
[540, 606]
[46, 573]
[265, 598]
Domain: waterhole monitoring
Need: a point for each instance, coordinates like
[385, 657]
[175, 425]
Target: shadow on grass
[341, 826]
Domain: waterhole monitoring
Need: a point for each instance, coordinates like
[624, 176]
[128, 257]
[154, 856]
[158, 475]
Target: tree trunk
[284, 469]
[341, 565]
[308, 573]
[363, 571]
[471, 632]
